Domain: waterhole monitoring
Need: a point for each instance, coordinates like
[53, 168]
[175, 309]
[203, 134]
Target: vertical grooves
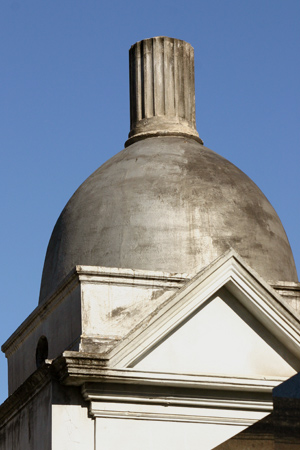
[189, 116]
[185, 87]
[172, 79]
[159, 77]
[148, 85]
[175, 78]
[193, 103]
[169, 77]
[142, 85]
[153, 92]
[131, 87]
[184, 77]
[180, 72]
[138, 83]
[163, 54]
[152, 64]
[162, 87]
[187, 84]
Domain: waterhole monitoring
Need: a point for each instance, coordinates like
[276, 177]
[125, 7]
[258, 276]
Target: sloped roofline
[232, 272]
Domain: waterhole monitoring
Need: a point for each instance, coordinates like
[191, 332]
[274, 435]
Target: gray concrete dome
[171, 204]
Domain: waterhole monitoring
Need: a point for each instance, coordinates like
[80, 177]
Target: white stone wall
[61, 326]
[113, 434]
[72, 428]
[30, 428]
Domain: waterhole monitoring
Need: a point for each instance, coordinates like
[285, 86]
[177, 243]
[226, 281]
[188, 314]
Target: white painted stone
[93, 302]
[112, 434]
[252, 299]
[113, 310]
[224, 332]
[61, 325]
[222, 338]
[71, 427]
[29, 425]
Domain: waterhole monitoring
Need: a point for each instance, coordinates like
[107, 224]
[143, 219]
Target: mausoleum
[168, 315]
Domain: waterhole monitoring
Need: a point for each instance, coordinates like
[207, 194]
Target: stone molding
[76, 368]
[90, 274]
[231, 272]
[165, 396]
[162, 89]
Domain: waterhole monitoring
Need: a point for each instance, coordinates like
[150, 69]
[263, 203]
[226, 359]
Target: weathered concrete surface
[91, 311]
[25, 417]
[162, 89]
[166, 202]
[171, 204]
[59, 321]
[43, 415]
[290, 291]
[72, 427]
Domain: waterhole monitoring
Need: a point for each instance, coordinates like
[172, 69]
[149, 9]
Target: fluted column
[162, 89]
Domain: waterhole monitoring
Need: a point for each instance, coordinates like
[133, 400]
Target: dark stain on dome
[171, 204]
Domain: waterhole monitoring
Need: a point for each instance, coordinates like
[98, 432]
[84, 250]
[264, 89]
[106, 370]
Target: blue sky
[64, 109]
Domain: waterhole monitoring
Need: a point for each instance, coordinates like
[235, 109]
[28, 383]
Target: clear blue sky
[64, 109]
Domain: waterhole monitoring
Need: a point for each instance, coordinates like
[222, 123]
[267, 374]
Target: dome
[171, 204]
[166, 202]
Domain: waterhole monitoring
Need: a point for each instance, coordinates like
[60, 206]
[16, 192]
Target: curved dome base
[170, 204]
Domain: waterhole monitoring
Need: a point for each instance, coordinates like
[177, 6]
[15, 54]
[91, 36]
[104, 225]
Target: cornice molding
[93, 275]
[76, 368]
[230, 272]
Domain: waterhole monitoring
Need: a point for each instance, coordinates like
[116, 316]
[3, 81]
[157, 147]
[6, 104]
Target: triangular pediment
[220, 338]
[226, 321]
